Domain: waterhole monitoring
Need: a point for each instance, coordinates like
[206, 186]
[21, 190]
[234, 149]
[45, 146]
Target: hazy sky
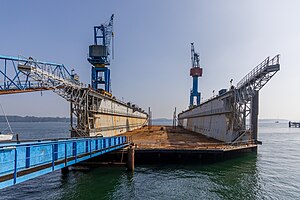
[152, 49]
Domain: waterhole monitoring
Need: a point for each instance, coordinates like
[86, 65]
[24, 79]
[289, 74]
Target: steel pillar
[254, 115]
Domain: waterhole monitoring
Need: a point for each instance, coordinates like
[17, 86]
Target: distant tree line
[14, 118]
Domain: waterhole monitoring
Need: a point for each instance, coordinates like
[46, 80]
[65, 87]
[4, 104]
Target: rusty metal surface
[167, 137]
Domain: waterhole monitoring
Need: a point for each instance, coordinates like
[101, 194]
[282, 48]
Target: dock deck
[167, 144]
[170, 138]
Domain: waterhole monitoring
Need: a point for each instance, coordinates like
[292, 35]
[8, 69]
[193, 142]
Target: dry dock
[169, 138]
[166, 144]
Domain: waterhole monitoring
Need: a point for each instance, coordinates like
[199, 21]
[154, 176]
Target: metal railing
[22, 161]
[258, 70]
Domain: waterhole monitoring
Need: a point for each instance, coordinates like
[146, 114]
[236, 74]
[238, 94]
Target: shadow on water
[232, 179]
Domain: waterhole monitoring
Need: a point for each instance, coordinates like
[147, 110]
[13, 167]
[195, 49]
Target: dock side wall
[113, 118]
[213, 118]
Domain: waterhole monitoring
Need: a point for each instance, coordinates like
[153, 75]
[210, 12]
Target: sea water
[272, 173]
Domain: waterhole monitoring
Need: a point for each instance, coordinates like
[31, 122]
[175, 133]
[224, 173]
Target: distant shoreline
[15, 118]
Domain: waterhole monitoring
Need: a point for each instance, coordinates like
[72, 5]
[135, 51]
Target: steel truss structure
[246, 96]
[14, 81]
[28, 75]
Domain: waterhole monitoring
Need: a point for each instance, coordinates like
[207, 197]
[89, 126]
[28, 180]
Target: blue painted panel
[61, 151]
[80, 147]
[7, 160]
[21, 152]
[69, 149]
[41, 154]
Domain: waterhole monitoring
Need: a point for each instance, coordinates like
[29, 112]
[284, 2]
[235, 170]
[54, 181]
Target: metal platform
[175, 145]
[26, 160]
[177, 139]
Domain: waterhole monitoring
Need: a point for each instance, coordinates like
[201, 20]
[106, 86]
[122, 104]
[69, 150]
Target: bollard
[130, 159]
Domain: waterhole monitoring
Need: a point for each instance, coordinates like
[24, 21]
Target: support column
[130, 159]
[71, 117]
[254, 115]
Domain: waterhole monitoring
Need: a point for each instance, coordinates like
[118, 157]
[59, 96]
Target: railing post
[86, 146]
[52, 157]
[66, 154]
[96, 145]
[104, 143]
[75, 151]
[27, 163]
[15, 167]
[55, 151]
[90, 147]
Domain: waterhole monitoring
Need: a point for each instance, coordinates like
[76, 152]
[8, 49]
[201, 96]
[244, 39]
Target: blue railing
[22, 161]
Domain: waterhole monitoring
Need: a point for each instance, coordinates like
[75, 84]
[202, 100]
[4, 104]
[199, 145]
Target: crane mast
[195, 72]
[84, 101]
[99, 56]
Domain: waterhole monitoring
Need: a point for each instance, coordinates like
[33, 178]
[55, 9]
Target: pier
[21, 161]
[294, 124]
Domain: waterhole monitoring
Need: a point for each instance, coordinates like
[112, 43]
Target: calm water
[274, 173]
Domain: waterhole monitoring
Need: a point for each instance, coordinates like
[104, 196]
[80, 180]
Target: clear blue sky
[152, 49]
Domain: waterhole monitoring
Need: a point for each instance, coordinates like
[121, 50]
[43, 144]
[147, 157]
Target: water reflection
[232, 179]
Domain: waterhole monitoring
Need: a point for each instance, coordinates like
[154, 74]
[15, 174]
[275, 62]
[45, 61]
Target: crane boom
[52, 76]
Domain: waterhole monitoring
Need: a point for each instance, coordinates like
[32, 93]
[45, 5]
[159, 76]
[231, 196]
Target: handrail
[258, 69]
[20, 162]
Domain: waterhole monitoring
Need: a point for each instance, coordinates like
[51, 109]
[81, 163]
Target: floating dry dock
[167, 144]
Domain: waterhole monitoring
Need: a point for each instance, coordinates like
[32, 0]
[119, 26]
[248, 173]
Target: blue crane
[195, 72]
[99, 55]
